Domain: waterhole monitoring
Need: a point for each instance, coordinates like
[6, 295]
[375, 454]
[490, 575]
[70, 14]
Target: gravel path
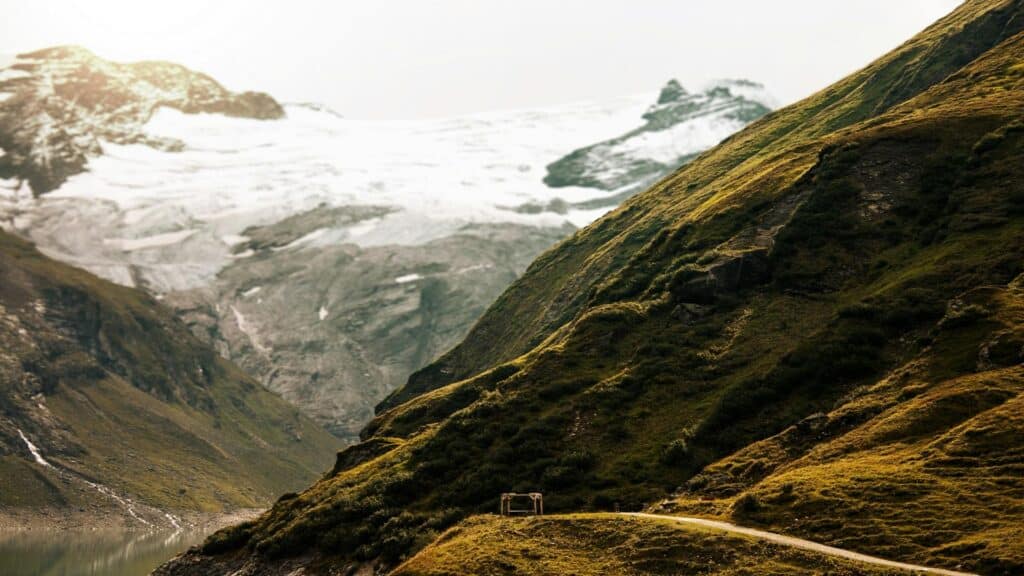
[800, 543]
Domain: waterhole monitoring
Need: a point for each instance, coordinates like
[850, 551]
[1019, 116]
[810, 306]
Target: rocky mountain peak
[678, 127]
[672, 91]
[58, 105]
[747, 101]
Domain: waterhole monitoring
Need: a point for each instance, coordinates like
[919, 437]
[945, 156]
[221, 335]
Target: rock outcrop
[677, 128]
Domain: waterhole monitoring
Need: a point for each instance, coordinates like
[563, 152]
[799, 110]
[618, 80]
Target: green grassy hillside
[892, 463]
[114, 392]
[755, 166]
[812, 326]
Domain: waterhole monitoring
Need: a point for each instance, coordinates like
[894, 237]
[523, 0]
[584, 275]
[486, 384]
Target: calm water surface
[88, 553]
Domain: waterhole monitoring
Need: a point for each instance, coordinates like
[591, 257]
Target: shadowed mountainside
[109, 404]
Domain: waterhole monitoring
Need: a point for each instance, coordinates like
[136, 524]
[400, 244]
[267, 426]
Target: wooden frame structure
[536, 500]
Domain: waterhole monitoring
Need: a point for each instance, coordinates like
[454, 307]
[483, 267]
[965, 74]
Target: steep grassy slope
[812, 326]
[941, 437]
[755, 166]
[126, 409]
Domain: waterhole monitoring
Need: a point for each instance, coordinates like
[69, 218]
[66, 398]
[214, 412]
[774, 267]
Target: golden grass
[600, 544]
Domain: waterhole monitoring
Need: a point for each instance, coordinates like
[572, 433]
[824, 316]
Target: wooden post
[505, 506]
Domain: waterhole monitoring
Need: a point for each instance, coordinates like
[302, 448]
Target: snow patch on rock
[250, 331]
[234, 239]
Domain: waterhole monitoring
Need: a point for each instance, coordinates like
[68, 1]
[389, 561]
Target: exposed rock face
[678, 127]
[333, 329]
[57, 106]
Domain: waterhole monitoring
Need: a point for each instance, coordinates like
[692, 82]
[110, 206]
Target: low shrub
[746, 505]
[230, 538]
[965, 316]
[675, 452]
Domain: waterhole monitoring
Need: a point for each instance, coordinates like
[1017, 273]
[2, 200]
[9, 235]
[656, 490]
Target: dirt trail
[800, 543]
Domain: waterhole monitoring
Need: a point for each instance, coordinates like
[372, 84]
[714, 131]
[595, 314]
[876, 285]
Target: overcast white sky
[422, 58]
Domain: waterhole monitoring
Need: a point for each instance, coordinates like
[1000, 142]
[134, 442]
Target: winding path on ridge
[799, 543]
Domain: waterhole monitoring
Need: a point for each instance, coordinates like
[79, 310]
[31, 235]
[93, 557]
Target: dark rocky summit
[676, 129]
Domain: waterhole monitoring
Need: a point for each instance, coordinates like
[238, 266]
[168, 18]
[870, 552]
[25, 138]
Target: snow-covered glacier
[172, 219]
[328, 256]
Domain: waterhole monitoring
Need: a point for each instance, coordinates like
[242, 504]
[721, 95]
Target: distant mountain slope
[58, 104]
[335, 328]
[108, 404]
[812, 327]
[677, 128]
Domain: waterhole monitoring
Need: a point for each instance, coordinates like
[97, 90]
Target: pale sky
[403, 59]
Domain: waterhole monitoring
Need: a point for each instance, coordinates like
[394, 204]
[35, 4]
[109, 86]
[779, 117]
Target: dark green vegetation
[815, 326]
[114, 391]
